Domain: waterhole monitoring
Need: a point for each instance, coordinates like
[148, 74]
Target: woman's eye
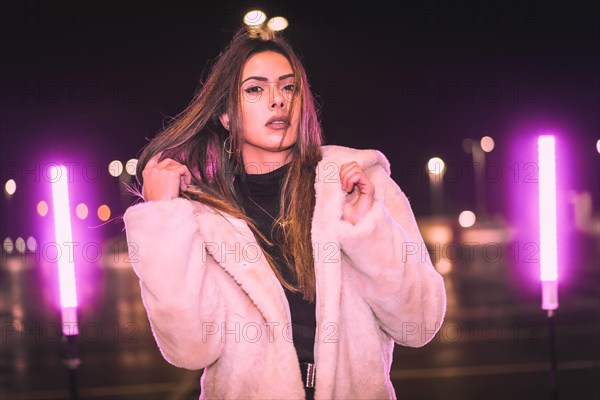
[253, 89]
[289, 88]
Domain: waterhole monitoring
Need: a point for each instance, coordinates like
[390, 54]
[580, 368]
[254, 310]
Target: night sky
[89, 82]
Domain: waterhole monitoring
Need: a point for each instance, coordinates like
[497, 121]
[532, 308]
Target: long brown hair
[195, 138]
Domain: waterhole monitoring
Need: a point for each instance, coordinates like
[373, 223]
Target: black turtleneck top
[263, 190]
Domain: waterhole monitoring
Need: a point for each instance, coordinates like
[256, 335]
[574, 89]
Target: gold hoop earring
[228, 150]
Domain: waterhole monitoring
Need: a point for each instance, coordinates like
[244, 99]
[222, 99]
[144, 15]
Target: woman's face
[266, 97]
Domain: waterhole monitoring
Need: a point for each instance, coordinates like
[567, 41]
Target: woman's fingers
[185, 177]
[165, 179]
[351, 177]
[351, 174]
[345, 172]
[181, 170]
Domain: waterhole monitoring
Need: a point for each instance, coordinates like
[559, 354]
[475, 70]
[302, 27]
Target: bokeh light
[131, 166]
[42, 208]
[20, 245]
[440, 234]
[467, 219]
[10, 187]
[487, 144]
[436, 166]
[8, 245]
[81, 211]
[31, 243]
[115, 168]
[443, 266]
[277, 23]
[103, 212]
[255, 18]
[598, 146]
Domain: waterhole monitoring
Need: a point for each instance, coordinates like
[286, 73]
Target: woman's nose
[276, 99]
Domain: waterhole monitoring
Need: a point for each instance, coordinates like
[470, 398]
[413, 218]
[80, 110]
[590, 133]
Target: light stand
[66, 274]
[548, 244]
[553, 369]
[72, 362]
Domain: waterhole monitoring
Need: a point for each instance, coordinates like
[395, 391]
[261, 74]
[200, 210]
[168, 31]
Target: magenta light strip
[547, 207]
[64, 240]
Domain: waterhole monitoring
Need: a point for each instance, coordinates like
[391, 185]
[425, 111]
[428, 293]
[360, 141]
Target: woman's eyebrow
[263, 79]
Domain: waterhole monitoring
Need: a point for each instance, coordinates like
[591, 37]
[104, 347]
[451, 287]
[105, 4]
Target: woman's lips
[277, 125]
[277, 122]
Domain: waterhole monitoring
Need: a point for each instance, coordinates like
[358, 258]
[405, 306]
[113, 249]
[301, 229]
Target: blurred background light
[547, 222]
[63, 235]
[443, 266]
[487, 144]
[436, 166]
[115, 168]
[8, 245]
[42, 208]
[438, 233]
[31, 243]
[131, 166]
[547, 211]
[81, 211]
[20, 245]
[277, 23]
[467, 219]
[255, 18]
[598, 146]
[10, 187]
[103, 212]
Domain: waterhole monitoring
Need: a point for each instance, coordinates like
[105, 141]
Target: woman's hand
[163, 180]
[360, 191]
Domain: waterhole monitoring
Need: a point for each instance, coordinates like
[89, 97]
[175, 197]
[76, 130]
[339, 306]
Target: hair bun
[261, 32]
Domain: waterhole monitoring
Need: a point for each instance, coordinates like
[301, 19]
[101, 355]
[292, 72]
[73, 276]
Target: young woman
[284, 268]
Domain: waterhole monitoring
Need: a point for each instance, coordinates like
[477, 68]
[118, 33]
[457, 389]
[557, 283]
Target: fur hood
[214, 303]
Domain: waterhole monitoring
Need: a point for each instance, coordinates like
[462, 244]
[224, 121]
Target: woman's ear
[225, 120]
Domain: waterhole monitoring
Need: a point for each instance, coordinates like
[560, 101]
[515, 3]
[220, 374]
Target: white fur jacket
[214, 303]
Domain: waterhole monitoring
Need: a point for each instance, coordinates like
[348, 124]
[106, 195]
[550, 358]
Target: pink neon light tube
[547, 207]
[63, 236]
